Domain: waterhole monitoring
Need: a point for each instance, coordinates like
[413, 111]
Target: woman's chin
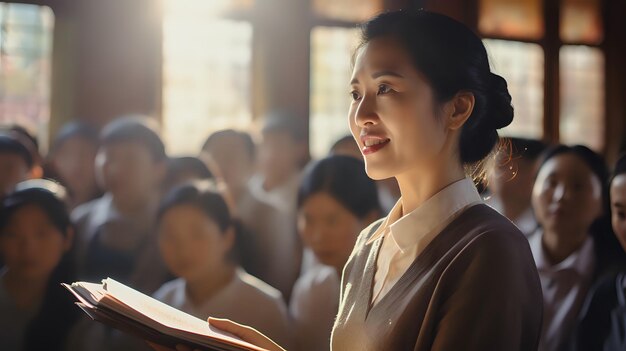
[377, 171]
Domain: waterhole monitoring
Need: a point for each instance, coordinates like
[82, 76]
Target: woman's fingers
[245, 333]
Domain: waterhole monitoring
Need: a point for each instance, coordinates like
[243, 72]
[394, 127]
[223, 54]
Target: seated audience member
[282, 152]
[276, 251]
[19, 158]
[346, 146]
[388, 190]
[336, 201]
[569, 248]
[181, 170]
[71, 160]
[116, 231]
[36, 236]
[602, 322]
[196, 238]
[511, 181]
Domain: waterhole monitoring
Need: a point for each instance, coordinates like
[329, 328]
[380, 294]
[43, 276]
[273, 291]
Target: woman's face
[567, 196]
[31, 245]
[618, 208]
[192, 244]
[392, 114]
[328, 228]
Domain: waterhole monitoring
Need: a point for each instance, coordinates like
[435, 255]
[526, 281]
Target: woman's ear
[459, 109]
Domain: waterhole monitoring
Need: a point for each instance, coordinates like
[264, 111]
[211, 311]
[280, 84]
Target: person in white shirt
[568, 200]
[196, 239]
[511, 181]
[275, 249]
[336, 201]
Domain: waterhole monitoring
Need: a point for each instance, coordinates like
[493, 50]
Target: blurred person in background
[275, 252]
[511, 181]
[115, 233]
[71, 160]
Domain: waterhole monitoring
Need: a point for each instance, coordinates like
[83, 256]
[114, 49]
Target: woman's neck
[558, 249]
[419, 185]
[26, 292]
[204, 289]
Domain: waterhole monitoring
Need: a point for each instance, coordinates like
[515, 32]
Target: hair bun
[500, 110]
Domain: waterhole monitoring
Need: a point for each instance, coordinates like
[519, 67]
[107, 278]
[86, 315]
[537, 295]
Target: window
[206, 71]
[331, 53]
[582, 96]
[519, 54]
[25, 60]
[521, 64]
[331, 50]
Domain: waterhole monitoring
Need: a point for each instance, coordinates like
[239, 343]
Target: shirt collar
[581, 261]
[406, 230]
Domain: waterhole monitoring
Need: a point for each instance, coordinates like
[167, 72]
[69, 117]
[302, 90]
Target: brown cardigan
[474, 287]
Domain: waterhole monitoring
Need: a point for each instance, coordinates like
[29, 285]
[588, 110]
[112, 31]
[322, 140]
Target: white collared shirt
[564, 287]
[406, 236]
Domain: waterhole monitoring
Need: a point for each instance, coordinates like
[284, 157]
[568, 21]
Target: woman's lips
[373, 143]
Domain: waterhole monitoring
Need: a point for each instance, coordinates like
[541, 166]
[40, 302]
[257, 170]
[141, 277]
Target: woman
[568, 200]
[336, 201]
[36, 237]
[443, 271]
[602, 321]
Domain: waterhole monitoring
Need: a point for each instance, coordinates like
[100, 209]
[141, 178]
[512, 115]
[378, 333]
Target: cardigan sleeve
[489, 297]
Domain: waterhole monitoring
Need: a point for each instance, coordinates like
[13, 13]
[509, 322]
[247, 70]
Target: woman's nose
[560, 192]
[366, 112]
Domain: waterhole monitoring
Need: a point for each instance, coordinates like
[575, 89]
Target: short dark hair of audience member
[513, 175]
[71, 160]
[346, 146]
[570, 200]
[336, 200]
[19, 159]
[234, 153]
[181, 170]
[197, 233]
[131, 162]
[36, 238]
[283, 149]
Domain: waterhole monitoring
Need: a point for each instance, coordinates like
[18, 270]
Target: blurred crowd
[254, 231]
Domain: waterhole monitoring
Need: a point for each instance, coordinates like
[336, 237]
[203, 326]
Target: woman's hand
[245, 333]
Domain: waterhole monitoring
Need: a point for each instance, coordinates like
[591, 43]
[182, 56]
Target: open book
[128, 310]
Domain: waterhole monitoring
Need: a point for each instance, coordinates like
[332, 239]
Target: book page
[160, 312]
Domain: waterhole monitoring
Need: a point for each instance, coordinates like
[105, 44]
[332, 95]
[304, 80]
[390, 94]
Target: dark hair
[190, 164]
[284, 121]
[243, 136]
[17, 143]
[51, 325]
[139, 129]
[346, 139]
[620, 166]
[528, 149]
[453, 59]
[75, 129]
[343, 178]
[205, 196]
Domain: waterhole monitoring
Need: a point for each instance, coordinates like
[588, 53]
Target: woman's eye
[355, 95]
[383, 89]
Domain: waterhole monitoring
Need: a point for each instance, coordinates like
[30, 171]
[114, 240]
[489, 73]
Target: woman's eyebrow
[386, 73]
[379, 74]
